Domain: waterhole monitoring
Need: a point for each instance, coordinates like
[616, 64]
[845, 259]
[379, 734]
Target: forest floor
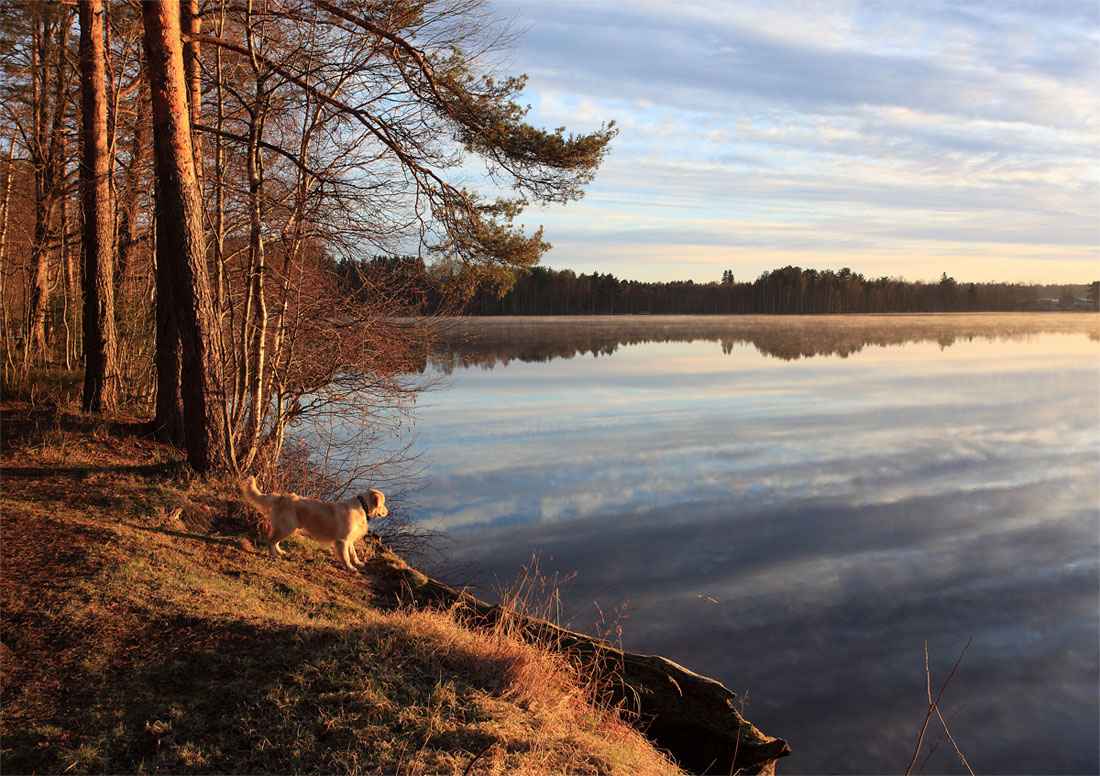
[144, 630]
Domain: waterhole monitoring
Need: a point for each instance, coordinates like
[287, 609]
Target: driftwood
[690, 716]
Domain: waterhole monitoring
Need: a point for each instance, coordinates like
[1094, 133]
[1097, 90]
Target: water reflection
[840, 510]
[490, 341]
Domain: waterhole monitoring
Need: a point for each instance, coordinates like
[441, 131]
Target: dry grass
[144, 632]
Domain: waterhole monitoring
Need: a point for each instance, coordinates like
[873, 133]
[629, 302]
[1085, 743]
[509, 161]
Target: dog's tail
[254, 498]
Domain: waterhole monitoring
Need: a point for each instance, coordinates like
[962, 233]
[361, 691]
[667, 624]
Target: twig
[933, 707]
[952, 740]
[477, 757]
[935, 746]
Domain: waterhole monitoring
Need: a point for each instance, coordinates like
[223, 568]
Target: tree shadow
[194, 694]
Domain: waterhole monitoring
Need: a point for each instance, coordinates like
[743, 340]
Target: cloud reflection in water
[841, 510]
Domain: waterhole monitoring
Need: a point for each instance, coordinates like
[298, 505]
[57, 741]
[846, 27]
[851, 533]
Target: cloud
[776, 56]
[837, 114]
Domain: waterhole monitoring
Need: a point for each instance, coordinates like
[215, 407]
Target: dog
[339, 523]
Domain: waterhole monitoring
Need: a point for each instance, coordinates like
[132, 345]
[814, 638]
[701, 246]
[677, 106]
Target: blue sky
[896, 138]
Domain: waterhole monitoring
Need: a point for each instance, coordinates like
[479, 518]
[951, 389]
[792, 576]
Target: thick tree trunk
[168, 420]
[100, 345]
[180, 242]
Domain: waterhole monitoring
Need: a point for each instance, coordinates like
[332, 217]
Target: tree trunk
[51, 35]
[100, 371]
[71, 290]
[129, 238]
[191, 23]
[180, 244]
[168, 420]
[255, 348]
[5, 331]
[35, 340]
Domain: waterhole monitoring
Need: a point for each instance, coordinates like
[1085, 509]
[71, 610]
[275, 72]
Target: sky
[895, 138]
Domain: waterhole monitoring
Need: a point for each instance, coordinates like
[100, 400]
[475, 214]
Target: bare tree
[342, 130]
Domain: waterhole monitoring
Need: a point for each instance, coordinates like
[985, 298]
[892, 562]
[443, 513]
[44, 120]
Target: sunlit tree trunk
[5, 213]
[191, 23]
[100, 372]
[180, 240]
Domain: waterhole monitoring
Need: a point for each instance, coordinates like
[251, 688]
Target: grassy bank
[144, 631]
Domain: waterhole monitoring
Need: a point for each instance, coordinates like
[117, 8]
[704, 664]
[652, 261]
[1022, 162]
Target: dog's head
[374, 503]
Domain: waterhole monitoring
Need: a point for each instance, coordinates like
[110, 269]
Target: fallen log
[692, 717]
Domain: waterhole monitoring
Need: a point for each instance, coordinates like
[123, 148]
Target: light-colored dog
[339, 523]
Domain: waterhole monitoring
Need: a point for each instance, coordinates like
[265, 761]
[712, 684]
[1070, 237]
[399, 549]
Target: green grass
[144, 631]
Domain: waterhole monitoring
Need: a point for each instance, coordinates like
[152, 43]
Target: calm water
[845, 489]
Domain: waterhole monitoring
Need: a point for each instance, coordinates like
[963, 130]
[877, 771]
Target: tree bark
[255, 345]
[51, 35]
[191, 24]
[129, 237]
[168, 420]
[100, 343]
[35, 341]
[180, 242]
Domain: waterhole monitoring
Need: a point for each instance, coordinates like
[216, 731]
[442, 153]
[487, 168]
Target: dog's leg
[279, 531]
[355, 556]
[342, 553]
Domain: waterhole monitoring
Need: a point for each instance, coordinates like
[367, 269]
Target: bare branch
[933, 706]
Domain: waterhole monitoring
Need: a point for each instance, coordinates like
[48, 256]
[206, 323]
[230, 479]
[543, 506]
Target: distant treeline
[789, 290]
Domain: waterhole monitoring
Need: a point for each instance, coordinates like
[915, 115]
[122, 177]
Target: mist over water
[845, 488]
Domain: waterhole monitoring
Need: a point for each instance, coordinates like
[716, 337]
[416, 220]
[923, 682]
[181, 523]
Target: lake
[844, 488]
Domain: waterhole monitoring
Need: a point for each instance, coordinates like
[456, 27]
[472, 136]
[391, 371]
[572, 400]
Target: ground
[144, 630]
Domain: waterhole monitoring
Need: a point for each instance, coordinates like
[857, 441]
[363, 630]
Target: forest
[788, 290]
[179, 179]
[540, 290]
[188, 190]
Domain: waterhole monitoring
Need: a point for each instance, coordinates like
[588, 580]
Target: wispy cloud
[906, 135]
